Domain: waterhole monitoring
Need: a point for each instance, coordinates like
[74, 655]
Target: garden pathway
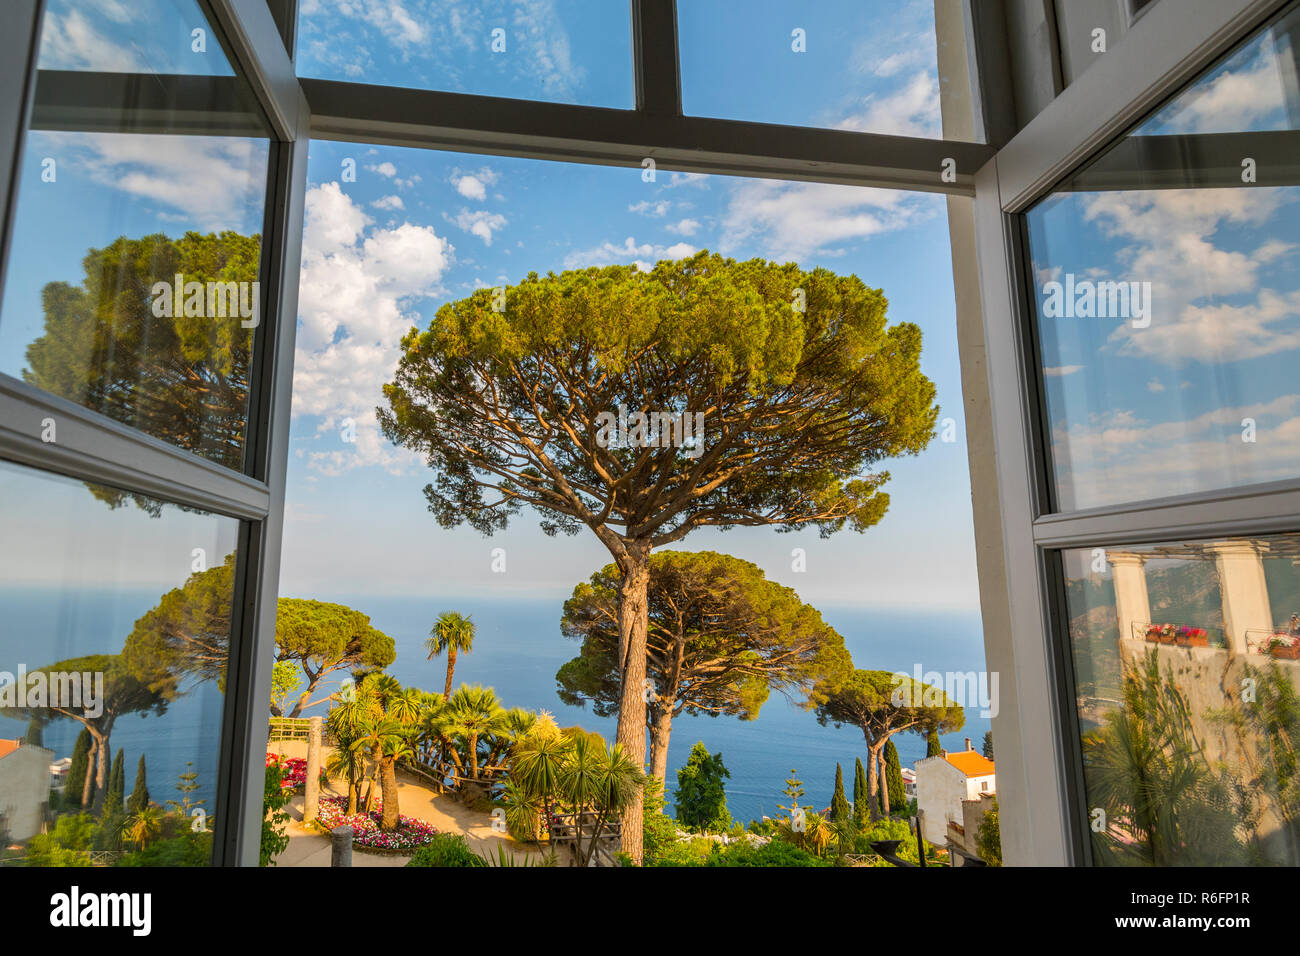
[416, 799]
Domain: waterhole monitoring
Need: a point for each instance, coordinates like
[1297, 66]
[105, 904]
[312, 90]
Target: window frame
[1041, 781]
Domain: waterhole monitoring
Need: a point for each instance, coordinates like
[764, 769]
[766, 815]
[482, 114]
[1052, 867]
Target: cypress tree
[840, 809]
[140, 793]
[932, 745]
[861, 811]
[894, 778]
[116, 792]
[988, 744]
[76, 779]
[34, 735]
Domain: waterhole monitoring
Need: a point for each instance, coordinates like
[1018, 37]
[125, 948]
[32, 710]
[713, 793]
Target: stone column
[1243, 589]
[311, 803]
[341, 846]
[1132, 605]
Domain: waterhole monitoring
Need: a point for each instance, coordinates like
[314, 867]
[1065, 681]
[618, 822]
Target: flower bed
[409, 835]
[293, 771]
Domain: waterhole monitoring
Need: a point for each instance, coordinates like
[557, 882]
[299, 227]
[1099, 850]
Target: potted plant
[1286, 646]
[1192, 637]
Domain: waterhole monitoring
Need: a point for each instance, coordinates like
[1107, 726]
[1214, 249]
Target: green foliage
[34, 735]
[861, 808]
[701, 799]
[933, 747]
[840, 809]
[68, 844]
[116, 783]
[76, 779]
[446, 849]
[987, 749]
[286, 678]
[1165, 803]
[988, 838]
[892, 829]
[323, 638]
[894, 779]
[721, 638]
[187, 848]
[275, 817]
[140, 792]
[772, 853]
[659, 831]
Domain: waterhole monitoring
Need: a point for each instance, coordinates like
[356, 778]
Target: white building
[909, 782]
[24, 787]
[943, 782]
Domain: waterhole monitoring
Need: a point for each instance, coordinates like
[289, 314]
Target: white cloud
[72, 42]
[386, 169]
[687, 227]
[209, 182]
[1060, 371]
[474, 185]
[1155, 385]
[1168, 239]
[794, 220]
[389, 202]
[357, 286]
[643, 254]
[911, 110]
[1241, 97]
[479, 223]
[647, 208]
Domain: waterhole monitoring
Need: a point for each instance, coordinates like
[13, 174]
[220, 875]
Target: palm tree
[452, 632]
[475, 713]
[140, 828]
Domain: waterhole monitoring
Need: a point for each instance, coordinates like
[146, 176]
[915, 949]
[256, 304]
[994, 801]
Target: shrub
[188, 849]
[274, 816]
[772, 853]
[446, 849]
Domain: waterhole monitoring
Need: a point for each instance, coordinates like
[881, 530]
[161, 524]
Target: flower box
[1285, 648]
[1192, 637]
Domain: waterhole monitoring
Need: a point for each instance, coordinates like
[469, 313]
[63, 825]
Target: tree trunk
[884, 785]
[661, 729]
[473, 756]
[451, 669]
[354, 789]
[388, 784]
[101, 771]
[88, 784]
[873, 778]
[633, 622]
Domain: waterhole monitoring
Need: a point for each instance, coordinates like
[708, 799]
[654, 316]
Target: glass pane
[1167, 291]
[577, 51]
[868, 65]
[112, 667]
[1186, 672]
[133, 283]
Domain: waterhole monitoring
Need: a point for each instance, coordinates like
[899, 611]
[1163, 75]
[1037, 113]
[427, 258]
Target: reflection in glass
[133, 286]
[112, 667]
[1188, 689]
[575, 51]
[1167, 292]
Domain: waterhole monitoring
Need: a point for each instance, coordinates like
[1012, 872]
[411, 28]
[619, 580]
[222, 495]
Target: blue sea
[517, 651]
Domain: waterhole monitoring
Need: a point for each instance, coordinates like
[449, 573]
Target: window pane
[1186, 672]
[116, 634]
[1167, 290]
[133, 282]
[866, 65]
[575, 51]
